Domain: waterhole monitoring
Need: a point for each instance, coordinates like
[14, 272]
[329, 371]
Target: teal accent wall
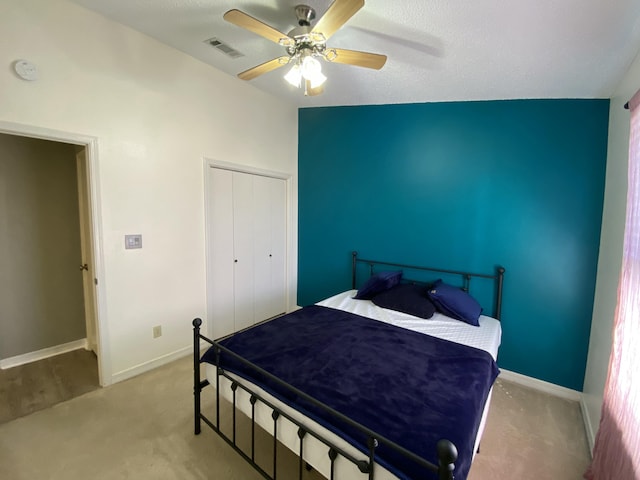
[465, 185]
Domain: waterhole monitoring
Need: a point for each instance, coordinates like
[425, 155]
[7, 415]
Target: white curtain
[616, 453]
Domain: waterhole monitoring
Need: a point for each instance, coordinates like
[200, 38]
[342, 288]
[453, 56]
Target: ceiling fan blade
[254, 25]
[263, 68]
[309, 91]
[337, 15]
[353, 57]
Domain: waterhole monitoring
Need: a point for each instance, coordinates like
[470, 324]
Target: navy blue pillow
[407, 298]
[455, 303]
[378, 283]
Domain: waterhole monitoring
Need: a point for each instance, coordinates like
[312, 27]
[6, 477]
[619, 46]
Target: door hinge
[95, 280]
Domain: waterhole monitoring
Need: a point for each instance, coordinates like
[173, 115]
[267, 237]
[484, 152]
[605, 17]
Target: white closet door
[247, 247]
[277, 287]
[269, 246]
[243, 254]
[221, 288]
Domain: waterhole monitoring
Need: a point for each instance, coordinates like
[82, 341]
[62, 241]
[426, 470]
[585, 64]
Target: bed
[363, 388]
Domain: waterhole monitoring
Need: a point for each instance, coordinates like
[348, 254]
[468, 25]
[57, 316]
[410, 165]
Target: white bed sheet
[486, 337]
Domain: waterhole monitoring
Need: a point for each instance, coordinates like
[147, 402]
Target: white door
[87, 261]
[269, 244]
[243, 276]
[246, 222]
[220, 291]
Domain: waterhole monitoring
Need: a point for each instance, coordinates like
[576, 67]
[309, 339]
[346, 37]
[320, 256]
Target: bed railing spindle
[354, 256]
[218, 373]
[252, 400]
[499, 294]
[197, 388]
[447, 456]
[372, 443]
[234, 387]
[467, 282]
[332, 456]
[275, 415]
[301, 434]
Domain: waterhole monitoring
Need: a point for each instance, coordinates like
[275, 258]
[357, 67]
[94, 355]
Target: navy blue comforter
[411, 388]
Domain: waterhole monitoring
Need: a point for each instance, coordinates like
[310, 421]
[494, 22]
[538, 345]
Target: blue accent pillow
[378, 283]
[407, 298]
[455, 302]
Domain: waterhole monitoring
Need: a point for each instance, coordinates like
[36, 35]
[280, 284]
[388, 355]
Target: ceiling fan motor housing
[305, 14]
[306, 42]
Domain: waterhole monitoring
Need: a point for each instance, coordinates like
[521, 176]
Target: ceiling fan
[305, 45]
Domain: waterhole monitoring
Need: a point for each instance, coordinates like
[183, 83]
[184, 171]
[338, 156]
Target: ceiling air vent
[224, 48]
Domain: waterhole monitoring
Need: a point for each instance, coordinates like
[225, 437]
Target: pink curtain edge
[635, 101]
[608, 460]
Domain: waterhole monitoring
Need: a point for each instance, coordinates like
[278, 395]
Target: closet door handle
[235, 261]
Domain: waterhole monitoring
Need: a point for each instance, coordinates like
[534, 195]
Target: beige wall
[156, 114]
[611, 243]
[41, 302]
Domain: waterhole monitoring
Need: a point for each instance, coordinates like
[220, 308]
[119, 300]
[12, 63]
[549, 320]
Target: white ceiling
[438, 50]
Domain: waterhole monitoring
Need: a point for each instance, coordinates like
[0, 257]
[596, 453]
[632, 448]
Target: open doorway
[48, 257]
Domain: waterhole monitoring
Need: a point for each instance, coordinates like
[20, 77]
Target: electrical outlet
[157, 331]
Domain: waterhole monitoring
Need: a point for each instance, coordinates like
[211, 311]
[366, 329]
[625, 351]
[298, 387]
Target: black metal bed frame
[446, 450]
[498, 277]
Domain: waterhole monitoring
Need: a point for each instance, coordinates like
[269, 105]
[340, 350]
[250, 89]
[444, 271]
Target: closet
[246, 251]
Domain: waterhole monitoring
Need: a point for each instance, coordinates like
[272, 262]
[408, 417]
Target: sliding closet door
[247, 249]
[220, 295]
[243, 253]
[269, 195]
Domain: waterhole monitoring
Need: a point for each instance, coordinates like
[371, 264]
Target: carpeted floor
[142, 429]
[34, 386]
[531, 436]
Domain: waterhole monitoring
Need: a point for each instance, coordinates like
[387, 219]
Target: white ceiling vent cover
[224, 48]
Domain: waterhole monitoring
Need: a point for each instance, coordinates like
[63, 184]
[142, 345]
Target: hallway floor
[38, 385]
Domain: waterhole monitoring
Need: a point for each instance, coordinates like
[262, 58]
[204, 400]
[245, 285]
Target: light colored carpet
[142, 429]
[31, 387]
[531, 436]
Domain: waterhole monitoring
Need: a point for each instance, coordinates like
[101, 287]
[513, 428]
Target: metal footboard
[447, 453]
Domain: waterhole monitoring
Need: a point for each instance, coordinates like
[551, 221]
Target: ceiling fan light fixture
[310, 67]
[317, 80]
[312, 71]
[294, 76]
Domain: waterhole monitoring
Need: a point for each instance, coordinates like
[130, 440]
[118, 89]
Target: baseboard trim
[42, 354]
[157, 362]
[591, 433]
[541, 385]
[151, 364]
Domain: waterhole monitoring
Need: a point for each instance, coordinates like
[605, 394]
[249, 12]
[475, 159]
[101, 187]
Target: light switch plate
[132, 241]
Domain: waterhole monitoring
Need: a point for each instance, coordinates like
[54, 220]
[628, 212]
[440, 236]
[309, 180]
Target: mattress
[485, 337]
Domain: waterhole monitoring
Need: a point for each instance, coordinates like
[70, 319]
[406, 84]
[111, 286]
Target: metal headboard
[498, 277]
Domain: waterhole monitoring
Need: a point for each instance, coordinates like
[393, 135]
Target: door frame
[289, 247]
[90, 145]
[86, 251]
